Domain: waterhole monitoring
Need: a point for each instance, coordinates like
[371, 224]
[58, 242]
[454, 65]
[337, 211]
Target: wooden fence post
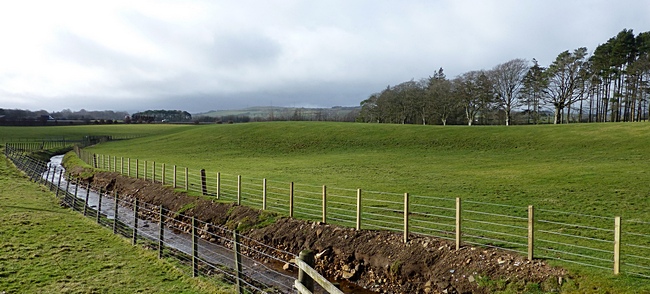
[161, 231]
[218, 185]
[264, 194]
[128, 167]
[135, 221]
[144, 171]
[67, 187]
[324, 204]
[617, 245]
[195, 250]
[174, 177]
[99, 205]
[458, 223]
[121, 165]
[358, 226]
[238, 189]
[116, 212]
[291, 200]
[153, 171]
[406, 217]
[114, 163]
[204, 187]
[187, 185]
[163, 174]
[238, 265]
[76, 191]
[137, 168]
[86, 200]
[58, 186]
[306, 256]
[531, 232]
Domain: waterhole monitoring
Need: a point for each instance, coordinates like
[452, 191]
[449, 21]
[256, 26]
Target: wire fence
[606, 243]
[198, 248]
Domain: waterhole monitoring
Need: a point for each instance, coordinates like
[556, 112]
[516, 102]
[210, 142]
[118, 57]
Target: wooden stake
[458, 223]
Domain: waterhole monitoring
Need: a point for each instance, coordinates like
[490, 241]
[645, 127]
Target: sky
[198, 55]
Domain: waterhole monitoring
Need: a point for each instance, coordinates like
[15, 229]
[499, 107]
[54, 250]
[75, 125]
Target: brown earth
[375, 260]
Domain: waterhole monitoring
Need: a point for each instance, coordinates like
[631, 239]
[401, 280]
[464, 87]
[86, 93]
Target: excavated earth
[378, 261]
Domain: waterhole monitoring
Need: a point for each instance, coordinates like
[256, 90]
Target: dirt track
[376, 260]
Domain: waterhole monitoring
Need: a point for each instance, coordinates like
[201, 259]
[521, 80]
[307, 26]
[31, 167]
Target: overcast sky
[203, 55]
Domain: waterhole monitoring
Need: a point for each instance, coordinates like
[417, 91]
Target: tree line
[611, 85]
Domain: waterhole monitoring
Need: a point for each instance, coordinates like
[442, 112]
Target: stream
[209, 252]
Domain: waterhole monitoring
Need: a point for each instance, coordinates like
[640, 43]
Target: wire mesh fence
[569, 237]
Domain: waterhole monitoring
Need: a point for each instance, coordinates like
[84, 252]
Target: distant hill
[267, 113]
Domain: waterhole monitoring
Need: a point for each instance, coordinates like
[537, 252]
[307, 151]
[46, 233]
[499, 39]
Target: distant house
[46, 117]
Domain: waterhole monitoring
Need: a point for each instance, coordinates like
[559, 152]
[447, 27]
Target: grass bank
[45, 248]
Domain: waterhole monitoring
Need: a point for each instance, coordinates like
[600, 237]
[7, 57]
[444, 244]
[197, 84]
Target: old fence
[605, 242]
[204, 249]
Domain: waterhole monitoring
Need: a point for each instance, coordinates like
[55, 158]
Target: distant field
[595, 168]
[12, 134]
[45, 248]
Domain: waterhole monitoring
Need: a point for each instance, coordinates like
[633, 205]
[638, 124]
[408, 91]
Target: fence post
[204, 187]
[47, 175]
[67, 187]
[128, 167]
[161, 231]
[358, 226]
[76, 191]
[291, 200]
[218, 185]
[306, 256]
[617, 245]
[163, 174]
[121, 165]
[144, 171]
[116, 212]
[324, 204]
[137, 168]
[86, 200]
[174, 177]
[52, 182]
[458, 223]
[135, 221]
[238, 266]
[264, 194]
[195, 249]
[406, 217]
[58, 186]
[531, 232]
[153, 171]
[99, 204]
[114, 163]
[187, 185]
[238, 189]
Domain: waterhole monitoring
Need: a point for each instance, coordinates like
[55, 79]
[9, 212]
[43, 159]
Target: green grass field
[584, 169]
[45, 248]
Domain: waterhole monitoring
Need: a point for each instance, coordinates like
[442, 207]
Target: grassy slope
[75, 132]
[596, 168]
[45, 248]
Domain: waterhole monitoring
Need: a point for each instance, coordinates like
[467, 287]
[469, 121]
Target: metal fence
[604, 242]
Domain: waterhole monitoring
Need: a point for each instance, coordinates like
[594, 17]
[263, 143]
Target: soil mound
[376, 260]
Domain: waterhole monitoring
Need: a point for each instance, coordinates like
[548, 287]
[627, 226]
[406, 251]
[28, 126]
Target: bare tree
[507, 80]
[565, 76]
[474, 92]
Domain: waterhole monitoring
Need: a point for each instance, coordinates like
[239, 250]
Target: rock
[468, 261]
[501, 261]
[286, 267]
[348, 274]
[320, 254]
[471, 279]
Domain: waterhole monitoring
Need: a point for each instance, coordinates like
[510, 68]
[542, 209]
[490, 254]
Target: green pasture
[45, 248]
[578, 177]
[22, 134]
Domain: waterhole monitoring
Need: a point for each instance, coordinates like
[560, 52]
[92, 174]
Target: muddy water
[270, 274]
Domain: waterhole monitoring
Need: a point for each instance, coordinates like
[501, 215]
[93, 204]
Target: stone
[286, 267]
[471, 279]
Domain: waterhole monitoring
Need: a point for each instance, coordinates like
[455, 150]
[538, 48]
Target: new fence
[609, 243]
[202, 249]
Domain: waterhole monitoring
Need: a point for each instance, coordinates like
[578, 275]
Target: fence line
[121, 215]
[565, 236]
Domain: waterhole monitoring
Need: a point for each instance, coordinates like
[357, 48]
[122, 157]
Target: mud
[375, 260]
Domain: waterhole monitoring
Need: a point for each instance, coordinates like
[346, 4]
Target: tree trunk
[557, 116]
